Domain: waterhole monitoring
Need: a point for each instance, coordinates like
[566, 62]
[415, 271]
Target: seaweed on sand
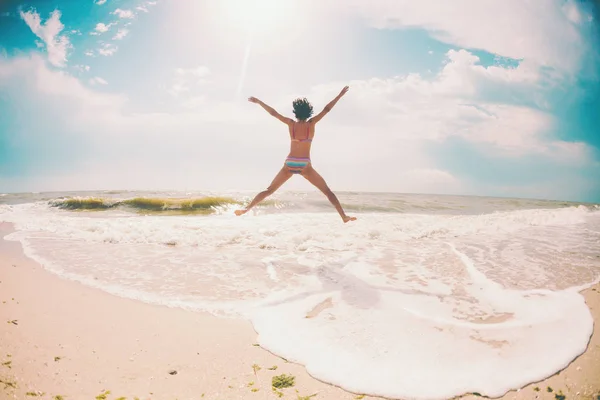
[283, 381]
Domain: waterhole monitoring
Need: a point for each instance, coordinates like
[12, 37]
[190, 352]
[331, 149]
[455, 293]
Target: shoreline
[78, 342]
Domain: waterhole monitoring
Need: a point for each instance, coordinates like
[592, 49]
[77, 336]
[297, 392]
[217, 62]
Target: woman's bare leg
[283, 175]
[313, 177]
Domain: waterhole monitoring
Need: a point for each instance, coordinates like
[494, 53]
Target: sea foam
[388, 343]
[397, 305]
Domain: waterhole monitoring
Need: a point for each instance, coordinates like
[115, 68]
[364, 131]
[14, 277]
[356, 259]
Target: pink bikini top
[307, 139]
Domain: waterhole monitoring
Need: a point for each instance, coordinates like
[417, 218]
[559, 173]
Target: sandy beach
[60, 338]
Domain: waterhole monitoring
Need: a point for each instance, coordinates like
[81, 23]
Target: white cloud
[509, 130]
[82, 68]
[383, 125]
[464, 72]
[186, 79]
[43, 81]
[195, 102]
[572, 12]
[121, 34]
[89, 53]
[126, 14]
[97, 80]
[422, 180]
[107, 49]
[101, 27]
[198, 72]
[144, 7]
[178, 88]
[49, 32]
[539, 31]
[571, 153]
[450, 105]
[100, 2]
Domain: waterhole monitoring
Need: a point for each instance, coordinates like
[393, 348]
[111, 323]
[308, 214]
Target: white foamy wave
[149, 229]
[394, 343]
[142, 293]
[506, 221]
[391, 299]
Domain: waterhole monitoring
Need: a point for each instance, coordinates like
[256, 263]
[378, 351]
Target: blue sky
[475, 97]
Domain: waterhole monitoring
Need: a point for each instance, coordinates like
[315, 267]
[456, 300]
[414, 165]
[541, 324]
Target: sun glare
[261, 24]
[258, 16]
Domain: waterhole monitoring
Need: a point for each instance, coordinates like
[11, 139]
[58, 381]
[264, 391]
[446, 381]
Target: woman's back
[301, 135]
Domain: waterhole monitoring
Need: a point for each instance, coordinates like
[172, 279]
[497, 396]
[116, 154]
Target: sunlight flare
[258, 16]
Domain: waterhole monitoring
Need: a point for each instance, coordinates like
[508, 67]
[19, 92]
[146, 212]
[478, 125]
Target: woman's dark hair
[303, 110]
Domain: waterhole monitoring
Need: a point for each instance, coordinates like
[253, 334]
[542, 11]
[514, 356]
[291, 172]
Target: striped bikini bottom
[296, 164]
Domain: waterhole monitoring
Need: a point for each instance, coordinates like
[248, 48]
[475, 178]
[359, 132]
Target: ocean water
[423, 297]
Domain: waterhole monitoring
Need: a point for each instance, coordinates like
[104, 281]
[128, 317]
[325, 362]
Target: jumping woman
[301, 133]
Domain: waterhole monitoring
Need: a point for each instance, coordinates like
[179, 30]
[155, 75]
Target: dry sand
[61, 338]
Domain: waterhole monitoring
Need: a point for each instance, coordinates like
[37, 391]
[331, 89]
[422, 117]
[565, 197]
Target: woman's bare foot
[347, 218]
[240, 212]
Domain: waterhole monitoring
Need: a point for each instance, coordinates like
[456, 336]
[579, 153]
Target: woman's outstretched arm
[329, 106]
[270, 110]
